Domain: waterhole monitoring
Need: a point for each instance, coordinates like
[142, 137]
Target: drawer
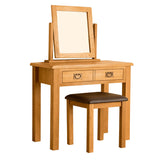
[76, 76]
[111, 74]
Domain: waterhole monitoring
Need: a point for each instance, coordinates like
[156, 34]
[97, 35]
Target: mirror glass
[73, 32]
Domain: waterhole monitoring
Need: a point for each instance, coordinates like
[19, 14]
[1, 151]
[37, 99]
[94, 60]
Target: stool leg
[69, 123]
[101, 122]
[122, 115]
[105, 88]
[90, 128]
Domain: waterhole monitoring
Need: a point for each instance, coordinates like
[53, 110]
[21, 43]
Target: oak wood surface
[90, 82]
[75, 76]
[88, 10]
[95, 39]
[36, 105]
[101, 121]
[68, 8]
[105, 105]
[84, 76]
[90, 121]
[71, 60]
[69, 123]
[50, 51]
[105, 88]
[122, 125]
[74, 64]
[79, 104]
[45, 75]
[109, 74]
[52, 74]
[52, 41]
[126, 92]
[54, 112]
[90, 128]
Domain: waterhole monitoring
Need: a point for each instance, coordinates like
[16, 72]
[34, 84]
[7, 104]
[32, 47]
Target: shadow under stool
[92, 101]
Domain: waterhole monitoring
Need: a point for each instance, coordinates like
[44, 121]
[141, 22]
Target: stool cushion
[96, 97]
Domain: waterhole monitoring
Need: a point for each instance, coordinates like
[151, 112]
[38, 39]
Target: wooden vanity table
[59, 73]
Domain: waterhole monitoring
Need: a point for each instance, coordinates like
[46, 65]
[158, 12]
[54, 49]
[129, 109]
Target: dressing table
[74, 36]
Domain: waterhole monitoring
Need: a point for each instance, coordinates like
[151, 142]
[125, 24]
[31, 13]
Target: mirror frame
[88, 10]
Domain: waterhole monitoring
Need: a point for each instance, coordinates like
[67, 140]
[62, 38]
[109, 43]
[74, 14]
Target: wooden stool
[91, 101]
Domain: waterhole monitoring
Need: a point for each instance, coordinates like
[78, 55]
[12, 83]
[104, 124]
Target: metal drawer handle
[77, 76]
[109, 74]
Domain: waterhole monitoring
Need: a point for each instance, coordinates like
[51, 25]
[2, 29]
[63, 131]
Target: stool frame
[90, 112]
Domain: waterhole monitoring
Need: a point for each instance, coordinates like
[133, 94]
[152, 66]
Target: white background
[128, 30]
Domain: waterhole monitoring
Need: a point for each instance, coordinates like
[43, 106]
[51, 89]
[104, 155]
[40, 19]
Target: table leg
[54, 113]
[126, 92]
[36, 105]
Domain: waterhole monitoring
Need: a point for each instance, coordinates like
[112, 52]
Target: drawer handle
[109, 74]
[77, 76]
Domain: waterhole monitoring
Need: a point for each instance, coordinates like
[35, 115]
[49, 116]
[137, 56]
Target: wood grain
[79, 104]
[126, 93]
[122, 123]
[45, 75]
[54, 114]
[69, 123]
[109, 74]
[51, 73]
[90, 128]
[103, 116]
[95, 39]
[36, 105]
[106, 105]
[101, 122]
[54, 61]
[90, 124]
[50, 52]
[89, 65]
[105, 88]
[76, 76]
[88, 10]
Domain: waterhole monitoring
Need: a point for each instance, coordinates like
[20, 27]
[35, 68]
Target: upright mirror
[73, 32]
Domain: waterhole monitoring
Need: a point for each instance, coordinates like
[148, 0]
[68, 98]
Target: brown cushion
[96, 97]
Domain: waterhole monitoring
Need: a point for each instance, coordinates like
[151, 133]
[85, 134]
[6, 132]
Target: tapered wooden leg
[69, 123]
[122, 124]
[90, 128]
[126, 93]
[36, 105]
[54, 114]
[104, 117]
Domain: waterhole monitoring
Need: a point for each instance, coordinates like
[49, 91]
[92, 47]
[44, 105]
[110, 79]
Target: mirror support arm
[51, 42]
[95, 39]
[50, 52]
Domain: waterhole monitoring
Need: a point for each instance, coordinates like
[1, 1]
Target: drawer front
[76, 76]
[113, 74]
